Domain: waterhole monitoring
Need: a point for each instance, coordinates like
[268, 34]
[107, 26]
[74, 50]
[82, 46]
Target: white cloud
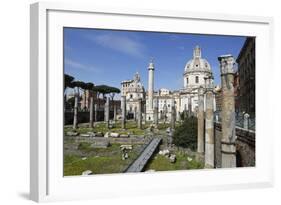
[120, 43]
[78, 65]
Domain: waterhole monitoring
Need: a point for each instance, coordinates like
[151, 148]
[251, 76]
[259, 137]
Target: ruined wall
[245, 147]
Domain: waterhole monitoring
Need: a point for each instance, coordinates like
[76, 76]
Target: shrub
[186, 134]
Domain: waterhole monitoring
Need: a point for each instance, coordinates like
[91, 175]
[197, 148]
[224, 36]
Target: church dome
[197, 64]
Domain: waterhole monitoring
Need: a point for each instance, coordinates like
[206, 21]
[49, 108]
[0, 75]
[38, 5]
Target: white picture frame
[46, 179]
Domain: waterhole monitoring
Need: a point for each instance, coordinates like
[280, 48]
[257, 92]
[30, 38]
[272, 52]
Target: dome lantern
[197, 63]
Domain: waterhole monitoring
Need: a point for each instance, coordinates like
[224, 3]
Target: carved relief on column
[155, 111]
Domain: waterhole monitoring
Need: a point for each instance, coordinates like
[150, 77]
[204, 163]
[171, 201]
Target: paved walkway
[140, 162]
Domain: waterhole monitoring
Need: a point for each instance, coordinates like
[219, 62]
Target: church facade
[185, 99]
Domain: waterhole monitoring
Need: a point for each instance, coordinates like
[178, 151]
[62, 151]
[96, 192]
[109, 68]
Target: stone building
[236, 85]
[196, 70]
[133, 90]
[246, 69]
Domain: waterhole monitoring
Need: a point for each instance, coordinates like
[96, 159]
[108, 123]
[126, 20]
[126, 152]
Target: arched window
[187, 81]
[196, 79]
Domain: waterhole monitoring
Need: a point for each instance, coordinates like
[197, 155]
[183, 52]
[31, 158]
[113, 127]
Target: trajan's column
[150, 92]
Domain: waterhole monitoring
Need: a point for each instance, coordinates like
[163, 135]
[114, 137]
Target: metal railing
[242, 120]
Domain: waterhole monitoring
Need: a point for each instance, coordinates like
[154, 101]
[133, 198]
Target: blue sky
[110, 56]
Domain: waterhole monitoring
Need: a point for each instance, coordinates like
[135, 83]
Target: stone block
[114, 134]
[87, 172]
[124, 135]
[100, 144]
[172, 158]
[70, 133]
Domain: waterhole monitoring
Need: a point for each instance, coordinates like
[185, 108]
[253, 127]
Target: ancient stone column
[228, 148]
[155, 111]
[106, 111]
[96, 113]
[150, 91]
[209, 127]
[114, 112]
[173, 114]
[217, 117]
[200, 119]
[178, 107]
[135, 113]
[139, 114]
[246, 121]
[75, 117]
[185, 114]
[91, 124]
[144, 113]
[189, 106]
[123, 108]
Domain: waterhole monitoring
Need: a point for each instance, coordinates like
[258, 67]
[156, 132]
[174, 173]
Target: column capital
[226, 64]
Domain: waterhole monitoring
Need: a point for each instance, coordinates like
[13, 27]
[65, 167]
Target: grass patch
[99, 160]
[85, 146]
[161, 163]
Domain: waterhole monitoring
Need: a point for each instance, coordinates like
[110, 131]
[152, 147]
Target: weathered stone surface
[209, 128]
[96, 113]
[99, 134]
[123, 108]
[106, 135]
[114, 112]
[72, 133]
[100, 143]
[126, 147]
[113, 134]
[172, 158]
[228, 112]
[92, 134]
[155, 112]
[87, 172]
[164, 152]
[124, 135]
[168, 130]
[200, 124]
[150, 170]
[139, 114]
[246, 121]
[150, 93]
[245, 146]
[84, 135]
